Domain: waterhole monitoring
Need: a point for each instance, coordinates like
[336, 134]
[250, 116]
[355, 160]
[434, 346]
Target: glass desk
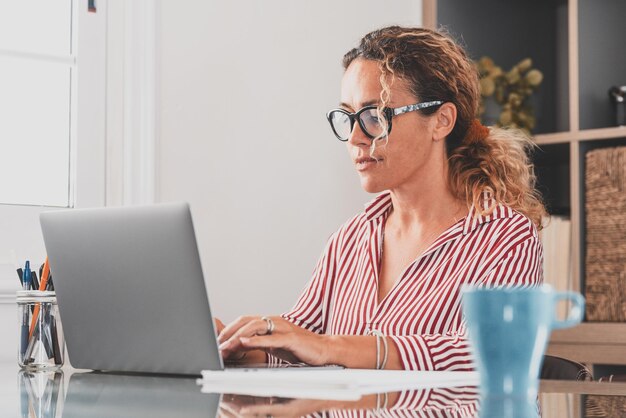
[73, 393]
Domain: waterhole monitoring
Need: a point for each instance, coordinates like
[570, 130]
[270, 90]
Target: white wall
[244, 87]
[20, 233]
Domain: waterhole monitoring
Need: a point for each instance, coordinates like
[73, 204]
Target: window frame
[87, 144]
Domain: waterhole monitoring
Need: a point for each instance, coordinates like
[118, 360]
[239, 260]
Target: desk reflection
[94, 395]
[41, 393]
[116, 395]
[443, 402]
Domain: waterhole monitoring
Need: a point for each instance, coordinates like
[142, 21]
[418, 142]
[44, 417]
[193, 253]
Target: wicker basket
[605, 214]
[599, 406]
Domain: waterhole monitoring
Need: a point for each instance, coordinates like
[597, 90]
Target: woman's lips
[363, 164]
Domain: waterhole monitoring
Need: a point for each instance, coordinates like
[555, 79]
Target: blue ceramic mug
[509, 330]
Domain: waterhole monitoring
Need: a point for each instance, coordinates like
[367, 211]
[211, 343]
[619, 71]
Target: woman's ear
[445, 118]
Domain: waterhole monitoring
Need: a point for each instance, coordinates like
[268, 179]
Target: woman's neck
[425, 207]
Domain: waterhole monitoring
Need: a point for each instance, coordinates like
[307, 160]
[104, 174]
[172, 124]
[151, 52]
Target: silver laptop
[130, 289]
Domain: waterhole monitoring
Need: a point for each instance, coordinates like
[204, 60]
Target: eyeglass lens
[369, 122]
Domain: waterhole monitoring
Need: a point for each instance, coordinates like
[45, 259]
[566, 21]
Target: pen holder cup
[41, 344]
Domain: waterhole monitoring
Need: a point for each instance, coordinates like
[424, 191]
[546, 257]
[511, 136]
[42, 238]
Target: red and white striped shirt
[422, 312]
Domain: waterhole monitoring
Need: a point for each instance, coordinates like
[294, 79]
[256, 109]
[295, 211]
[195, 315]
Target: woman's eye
[372, 118]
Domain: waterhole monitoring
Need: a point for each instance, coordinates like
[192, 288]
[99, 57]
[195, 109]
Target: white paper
[347, 384]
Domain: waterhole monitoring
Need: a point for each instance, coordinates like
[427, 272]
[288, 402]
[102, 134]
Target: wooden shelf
[592, 333]
[584, 135]
[591, 342]
[554, 138]
[570, 100]
[583, 388]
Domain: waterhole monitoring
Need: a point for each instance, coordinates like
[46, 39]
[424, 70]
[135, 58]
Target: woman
[457, 205]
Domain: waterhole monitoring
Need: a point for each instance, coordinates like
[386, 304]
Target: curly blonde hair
[435, 67]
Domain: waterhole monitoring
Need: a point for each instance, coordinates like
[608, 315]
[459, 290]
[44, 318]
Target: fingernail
[244, 340]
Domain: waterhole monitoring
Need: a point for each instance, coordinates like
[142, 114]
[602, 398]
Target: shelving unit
[578, 44]
[616, 132]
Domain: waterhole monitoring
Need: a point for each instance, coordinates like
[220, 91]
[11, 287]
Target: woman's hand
[238, 406]
[219, 326]
[276, 336]
[257, 406]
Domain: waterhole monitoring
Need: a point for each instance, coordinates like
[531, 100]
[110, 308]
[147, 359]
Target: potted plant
[511, 91]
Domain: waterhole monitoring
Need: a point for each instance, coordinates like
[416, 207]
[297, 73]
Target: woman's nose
[357, 137]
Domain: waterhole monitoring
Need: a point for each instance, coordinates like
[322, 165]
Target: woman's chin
[372, 186]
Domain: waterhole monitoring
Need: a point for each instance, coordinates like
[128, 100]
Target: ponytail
[496, 161]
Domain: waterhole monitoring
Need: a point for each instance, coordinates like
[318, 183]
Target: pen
[56, 347]
[26, 283]
[28, 355]
[46, 331]
[34, 280]
[20, 274]
[26, 278]
[24, 331]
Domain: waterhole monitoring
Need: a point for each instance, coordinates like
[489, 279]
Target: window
[37, 66]
[52, 119]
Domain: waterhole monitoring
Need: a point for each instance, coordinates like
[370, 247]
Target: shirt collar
[382, 203]
[378, 207]
[475, 219]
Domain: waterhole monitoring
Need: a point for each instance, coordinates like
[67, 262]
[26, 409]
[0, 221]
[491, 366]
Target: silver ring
[270, 325]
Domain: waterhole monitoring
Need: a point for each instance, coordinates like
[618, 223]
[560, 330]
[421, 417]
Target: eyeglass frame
[388, 112]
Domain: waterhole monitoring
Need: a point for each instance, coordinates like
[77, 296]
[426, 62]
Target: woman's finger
[279, 345]
[219, 326]
[228, 411]
[265, 342]
[255, 327]
[267, 410]
[233, 327]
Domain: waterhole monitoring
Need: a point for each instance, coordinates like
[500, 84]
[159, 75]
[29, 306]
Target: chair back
[557, 368]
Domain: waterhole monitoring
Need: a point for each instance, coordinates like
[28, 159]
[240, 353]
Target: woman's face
[410, 149]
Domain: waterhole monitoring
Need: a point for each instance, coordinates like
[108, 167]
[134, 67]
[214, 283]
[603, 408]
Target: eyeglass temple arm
[416, 106]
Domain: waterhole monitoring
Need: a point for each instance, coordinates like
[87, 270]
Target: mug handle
[576, 312]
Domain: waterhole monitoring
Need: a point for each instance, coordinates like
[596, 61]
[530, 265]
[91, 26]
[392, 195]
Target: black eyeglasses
[342, 121]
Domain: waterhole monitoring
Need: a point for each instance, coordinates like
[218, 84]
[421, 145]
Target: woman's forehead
[361, 85]
[361, 76]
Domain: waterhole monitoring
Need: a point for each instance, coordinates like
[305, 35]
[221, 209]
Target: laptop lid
[130, 289]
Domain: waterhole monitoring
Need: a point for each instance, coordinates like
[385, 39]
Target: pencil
[45, 275]
[42, 286]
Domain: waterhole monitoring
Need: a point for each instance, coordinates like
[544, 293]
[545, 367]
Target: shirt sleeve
[459, 401]
[519, 267]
